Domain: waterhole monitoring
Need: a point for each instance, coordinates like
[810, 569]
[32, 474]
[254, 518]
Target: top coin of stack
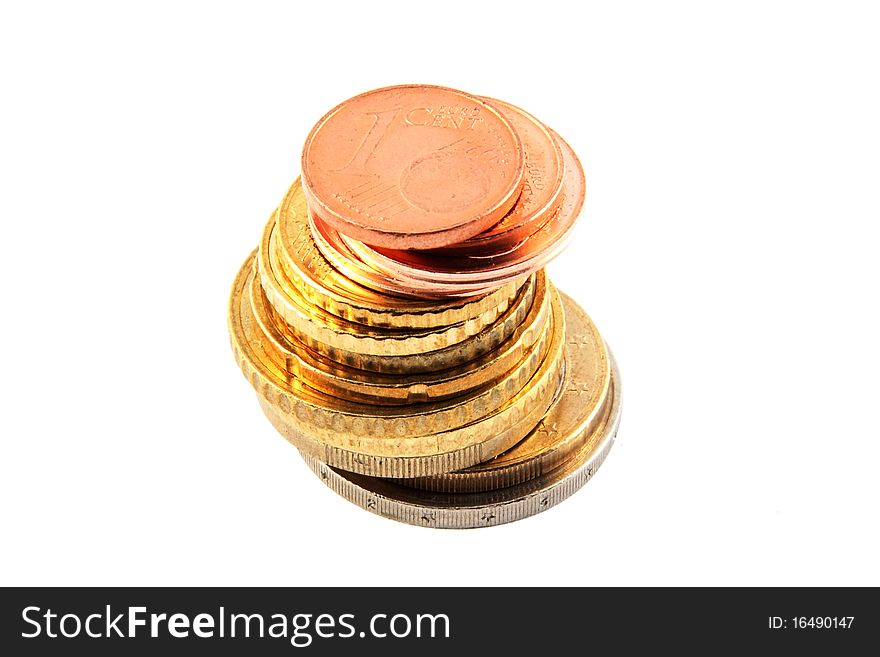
[396, 320]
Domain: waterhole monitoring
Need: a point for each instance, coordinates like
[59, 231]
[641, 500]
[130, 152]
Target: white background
[727, 251]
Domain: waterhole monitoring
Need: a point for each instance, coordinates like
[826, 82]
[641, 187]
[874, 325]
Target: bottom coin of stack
[456, 413]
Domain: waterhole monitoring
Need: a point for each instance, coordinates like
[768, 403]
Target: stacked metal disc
[397, 322]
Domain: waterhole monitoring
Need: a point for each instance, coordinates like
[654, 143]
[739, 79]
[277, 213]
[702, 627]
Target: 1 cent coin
[542, 187]
[412, 167]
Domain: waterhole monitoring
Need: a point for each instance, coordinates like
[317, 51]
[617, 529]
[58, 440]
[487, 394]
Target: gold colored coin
[339, 416]
[573, 418]
[370, 439]
[387, 350]
[361, 386]
[320, 326]
[325, 287]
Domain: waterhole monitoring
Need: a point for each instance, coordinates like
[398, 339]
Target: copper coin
[542, 185]
[484, 267]
[412, 167]
[332, 247]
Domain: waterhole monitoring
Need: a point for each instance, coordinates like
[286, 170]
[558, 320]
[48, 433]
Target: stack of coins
[399, 327]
